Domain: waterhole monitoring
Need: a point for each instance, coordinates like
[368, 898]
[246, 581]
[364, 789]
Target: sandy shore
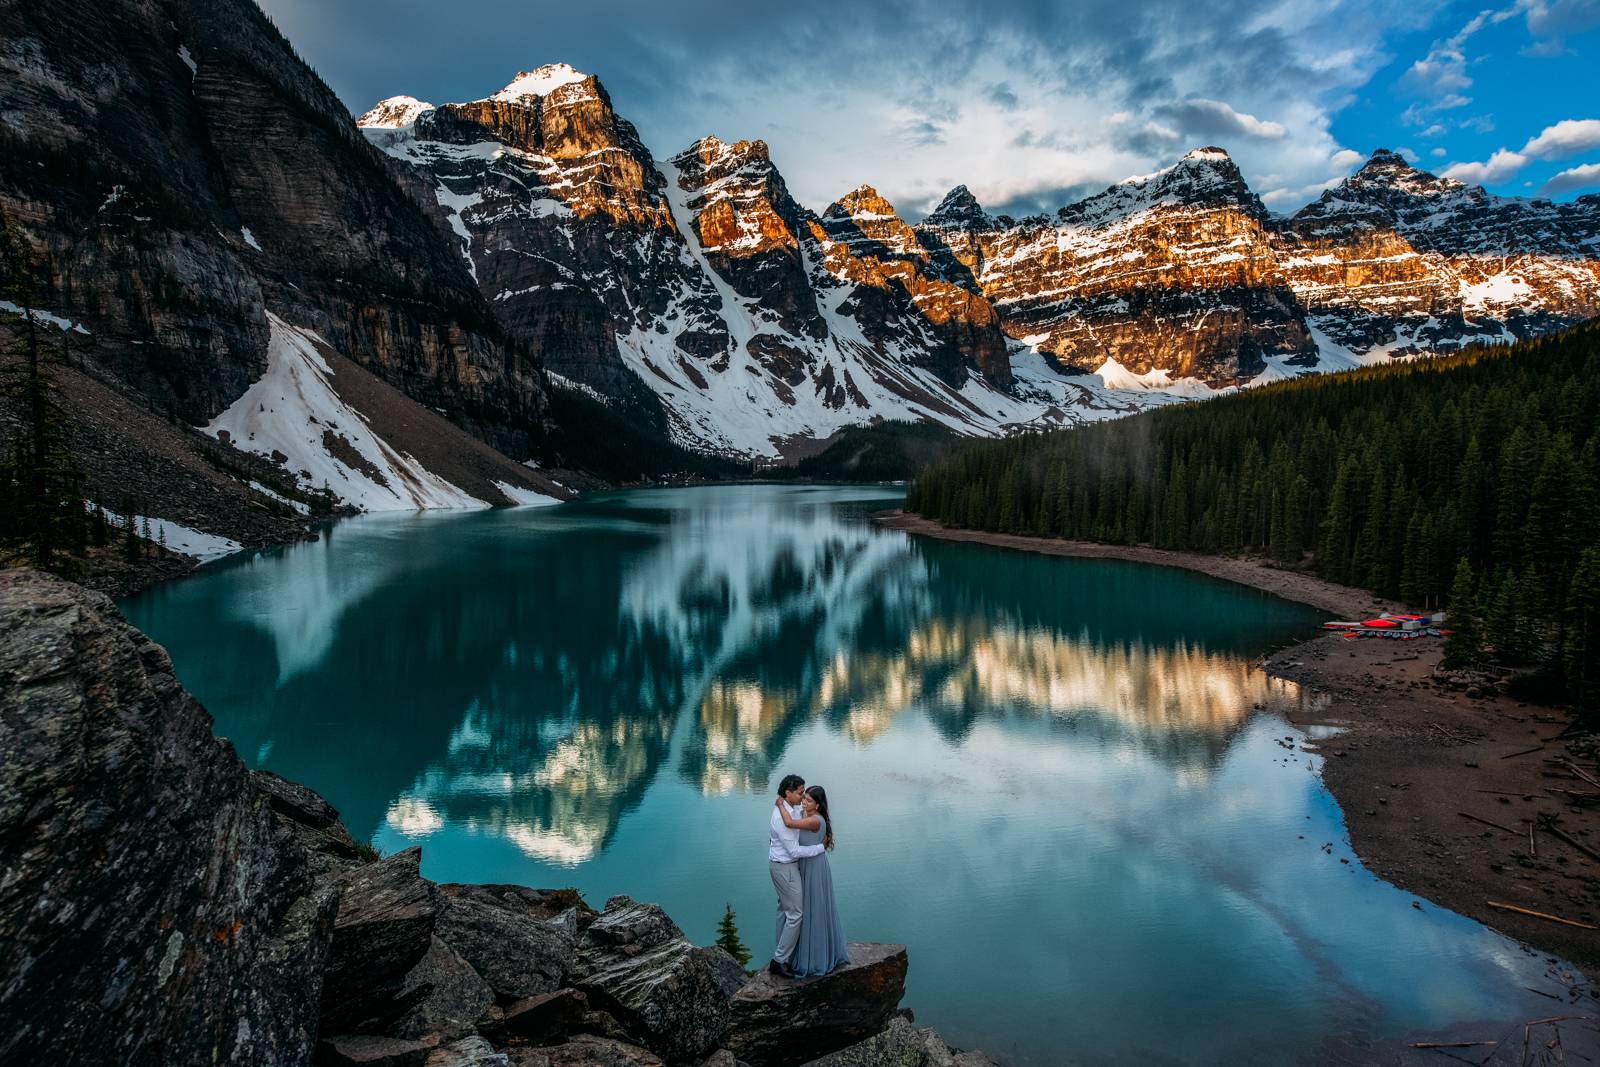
[1413, 755]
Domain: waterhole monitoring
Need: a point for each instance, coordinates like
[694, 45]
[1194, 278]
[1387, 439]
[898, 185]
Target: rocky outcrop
[901, 1044]
[175, 173]
[639, 966]
[151, 911]
[387, 914]
[165, 906]
[778, 1022]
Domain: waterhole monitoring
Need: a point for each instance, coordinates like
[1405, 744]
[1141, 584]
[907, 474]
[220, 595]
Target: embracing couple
[810, 935]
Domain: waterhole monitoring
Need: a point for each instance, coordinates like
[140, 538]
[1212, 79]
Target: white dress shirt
[784, 845]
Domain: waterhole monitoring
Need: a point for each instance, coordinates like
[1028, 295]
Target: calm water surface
[1057, 781]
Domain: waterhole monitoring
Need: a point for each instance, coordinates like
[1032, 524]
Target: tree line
[1470, 480]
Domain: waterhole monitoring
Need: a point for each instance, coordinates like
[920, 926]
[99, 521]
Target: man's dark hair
[790, 781]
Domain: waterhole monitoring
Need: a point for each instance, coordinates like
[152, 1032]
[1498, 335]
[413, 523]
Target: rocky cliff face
[175, 173]
[761, 326]
[151, 913]
[1183, 273]
[1395, 260]
[165, 906]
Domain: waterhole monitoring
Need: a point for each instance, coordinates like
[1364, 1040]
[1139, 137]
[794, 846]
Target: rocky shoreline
[1438, 778]
[163, 904]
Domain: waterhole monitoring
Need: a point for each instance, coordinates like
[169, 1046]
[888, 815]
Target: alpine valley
[266, 306]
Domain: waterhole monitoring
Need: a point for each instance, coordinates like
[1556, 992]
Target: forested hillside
[1475, 476]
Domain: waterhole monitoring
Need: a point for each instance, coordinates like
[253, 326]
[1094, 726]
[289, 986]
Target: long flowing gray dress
[822, 946]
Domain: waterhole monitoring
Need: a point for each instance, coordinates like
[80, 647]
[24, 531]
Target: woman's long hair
[820, 795]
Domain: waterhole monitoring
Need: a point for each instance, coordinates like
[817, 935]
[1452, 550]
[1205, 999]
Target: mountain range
[260, 298]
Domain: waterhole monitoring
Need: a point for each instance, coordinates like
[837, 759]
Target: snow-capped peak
[394, 113]
[959, 210]
[539, 82]
[1209, 154]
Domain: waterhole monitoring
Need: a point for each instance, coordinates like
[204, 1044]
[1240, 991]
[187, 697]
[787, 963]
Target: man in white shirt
[784, 851]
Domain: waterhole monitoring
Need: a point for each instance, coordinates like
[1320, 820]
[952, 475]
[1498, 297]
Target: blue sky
[1030, 103]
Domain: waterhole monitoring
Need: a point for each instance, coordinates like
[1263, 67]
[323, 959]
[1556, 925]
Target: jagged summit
[959, 210]
[539, 82]
[394, 113]
[1208, 154]
[861, 203]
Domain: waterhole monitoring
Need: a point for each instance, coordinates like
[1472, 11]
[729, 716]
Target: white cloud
[1433, 131]
[1586, 176]
[1566, 138]
[1437, 153]
[1498, 168]
[1347, 159]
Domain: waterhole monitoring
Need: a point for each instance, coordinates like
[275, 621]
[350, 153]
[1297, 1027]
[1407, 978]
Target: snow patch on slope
[294, 410]
[179, 538]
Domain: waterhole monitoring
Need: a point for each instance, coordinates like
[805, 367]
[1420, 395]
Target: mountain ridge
[1178, 281]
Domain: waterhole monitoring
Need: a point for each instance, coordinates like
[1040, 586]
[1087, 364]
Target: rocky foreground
[162, 904]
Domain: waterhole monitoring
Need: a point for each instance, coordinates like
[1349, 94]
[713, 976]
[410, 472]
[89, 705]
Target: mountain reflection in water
[1058, 781]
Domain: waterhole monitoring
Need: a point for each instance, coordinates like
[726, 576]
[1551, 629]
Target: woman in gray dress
[821, 947]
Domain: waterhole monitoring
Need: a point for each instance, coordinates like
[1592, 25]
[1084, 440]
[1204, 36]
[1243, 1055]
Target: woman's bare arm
[812, 822]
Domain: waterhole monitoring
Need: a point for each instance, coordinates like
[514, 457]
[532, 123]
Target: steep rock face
[1183, 274]
[556, 209]
[699, 279]
[900, 288]
[153, 913]
[749, 228]
[175, 170]
[1396, 260]
[1171, 272]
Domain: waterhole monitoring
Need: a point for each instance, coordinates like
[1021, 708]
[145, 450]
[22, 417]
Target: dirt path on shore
[1414, 754]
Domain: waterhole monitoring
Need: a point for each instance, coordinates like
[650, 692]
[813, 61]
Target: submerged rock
[152, 913]
[780, 1022]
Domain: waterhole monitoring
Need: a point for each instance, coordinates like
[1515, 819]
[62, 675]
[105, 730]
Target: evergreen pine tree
[728, 937]
[1583, 634]
[1461, 648]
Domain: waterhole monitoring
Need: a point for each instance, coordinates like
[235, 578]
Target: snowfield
[295, 411]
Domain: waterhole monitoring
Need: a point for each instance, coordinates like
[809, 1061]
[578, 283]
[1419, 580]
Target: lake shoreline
[1412, 755]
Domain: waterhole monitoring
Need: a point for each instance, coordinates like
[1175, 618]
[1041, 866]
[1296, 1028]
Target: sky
[1031, 104]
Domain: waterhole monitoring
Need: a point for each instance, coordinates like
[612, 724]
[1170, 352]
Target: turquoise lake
[1059, 782]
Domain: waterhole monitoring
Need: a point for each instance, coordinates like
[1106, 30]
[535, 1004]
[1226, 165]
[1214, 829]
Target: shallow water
[1057, 781]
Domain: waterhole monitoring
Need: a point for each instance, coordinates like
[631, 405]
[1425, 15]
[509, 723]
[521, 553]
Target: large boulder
[385, 927]
[586, 1052]
[153, 912]
[311, 820]
[446, 995]
[536, 1020]
[468, 1052]
[509, 936]
[902, 1045]
[636, 964]
[365, 1050]
[780, 1022]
